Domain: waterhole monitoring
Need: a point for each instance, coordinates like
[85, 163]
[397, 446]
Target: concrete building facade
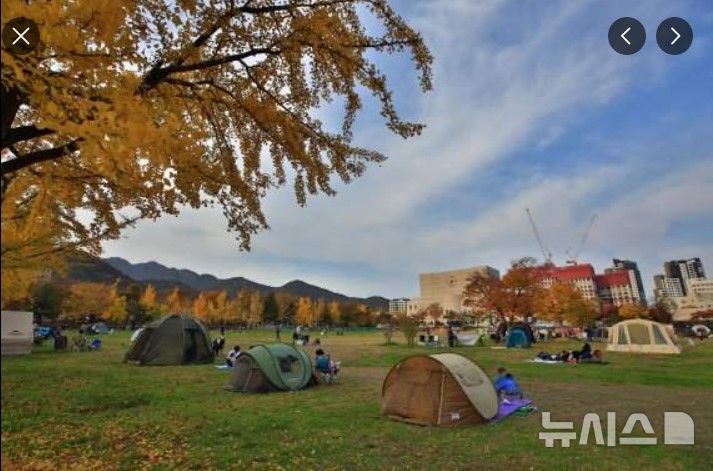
[699, 298]
[665, 287]
[398, 306]
[636, 281]
[684, 270]
[446, 289]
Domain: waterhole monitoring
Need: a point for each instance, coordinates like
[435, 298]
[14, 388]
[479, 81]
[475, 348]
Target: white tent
[17, 332]
[642, 336]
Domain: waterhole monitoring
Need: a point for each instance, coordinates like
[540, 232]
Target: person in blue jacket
[506, 385]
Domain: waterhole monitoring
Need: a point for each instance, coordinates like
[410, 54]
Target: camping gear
[171, 340]
[136, 334]
[99, 328]
[469, 340]
[271, 367]
[42, 332]
[17, 332]
[509, 407]
[520, 336]
[700, 330]
[641, 336]
[444, 389]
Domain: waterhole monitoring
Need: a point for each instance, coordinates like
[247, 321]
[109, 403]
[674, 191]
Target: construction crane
[545, 253]
[574, 256]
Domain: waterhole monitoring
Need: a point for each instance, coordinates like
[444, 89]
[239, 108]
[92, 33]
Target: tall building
[634, 275]
[617, 286]
[699, 298]
[684, 270]
[666, 287]
[581, 276]
[446, 289]
[398, 306]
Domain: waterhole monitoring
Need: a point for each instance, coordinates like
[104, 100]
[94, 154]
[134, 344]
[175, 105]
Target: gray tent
[171, 340]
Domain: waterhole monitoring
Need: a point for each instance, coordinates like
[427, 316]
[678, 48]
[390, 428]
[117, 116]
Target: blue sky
[531, 108]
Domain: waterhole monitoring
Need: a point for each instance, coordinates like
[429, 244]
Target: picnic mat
[508, 408]
[223, 367]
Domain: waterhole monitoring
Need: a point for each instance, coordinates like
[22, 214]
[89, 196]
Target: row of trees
[136, 305]
[520, 294]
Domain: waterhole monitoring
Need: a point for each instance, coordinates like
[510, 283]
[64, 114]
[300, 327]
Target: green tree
[409, 326]
[47, 300]
[270, 309]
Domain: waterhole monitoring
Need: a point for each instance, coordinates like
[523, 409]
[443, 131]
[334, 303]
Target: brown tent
[444, 389]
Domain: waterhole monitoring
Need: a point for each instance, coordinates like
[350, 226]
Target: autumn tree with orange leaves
[515, 295]
[132, 109]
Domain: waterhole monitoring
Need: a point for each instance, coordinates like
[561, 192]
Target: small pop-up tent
[171, 340]
[17, 332]
[273, 367]
[642, 336]
[520, 335]
[443, 389]
[99, 328]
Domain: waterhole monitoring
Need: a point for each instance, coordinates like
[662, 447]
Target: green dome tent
[272, 367]
[171, 340]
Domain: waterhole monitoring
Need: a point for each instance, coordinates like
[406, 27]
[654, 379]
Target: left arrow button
[627, 36]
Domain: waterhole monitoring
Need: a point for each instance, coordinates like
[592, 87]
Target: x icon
[21, 36]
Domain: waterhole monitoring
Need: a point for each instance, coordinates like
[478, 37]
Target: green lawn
[91, 411]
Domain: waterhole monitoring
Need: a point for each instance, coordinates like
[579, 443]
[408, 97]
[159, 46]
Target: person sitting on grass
[232, 356]
[506, 386]
[563, 356]
[584, 354]
[324, 365]
[597, 355]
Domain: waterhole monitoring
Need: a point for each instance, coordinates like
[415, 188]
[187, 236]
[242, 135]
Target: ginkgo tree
[131, 109]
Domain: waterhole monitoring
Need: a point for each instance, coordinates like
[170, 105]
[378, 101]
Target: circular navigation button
[627, 36]
[20, 35]
[674, 35]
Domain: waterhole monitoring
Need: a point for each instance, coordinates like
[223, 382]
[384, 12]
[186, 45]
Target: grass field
[91, 411]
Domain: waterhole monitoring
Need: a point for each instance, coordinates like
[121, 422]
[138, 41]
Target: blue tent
[520, 336]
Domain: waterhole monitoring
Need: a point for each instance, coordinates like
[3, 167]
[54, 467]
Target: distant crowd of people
[573, 356]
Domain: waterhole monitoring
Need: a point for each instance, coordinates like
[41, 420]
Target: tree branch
[25, 160]
[23, 133]
[288, 7]
[156, 76]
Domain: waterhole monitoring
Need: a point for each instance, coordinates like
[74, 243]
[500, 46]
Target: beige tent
[443, 389]
[17, 332]
[642, 336]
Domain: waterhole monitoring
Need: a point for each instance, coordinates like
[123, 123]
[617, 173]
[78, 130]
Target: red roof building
[613, 288]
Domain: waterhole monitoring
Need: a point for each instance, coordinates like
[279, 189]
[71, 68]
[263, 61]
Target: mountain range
[165, 279]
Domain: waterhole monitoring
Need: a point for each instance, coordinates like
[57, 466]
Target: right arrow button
[674, 35]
